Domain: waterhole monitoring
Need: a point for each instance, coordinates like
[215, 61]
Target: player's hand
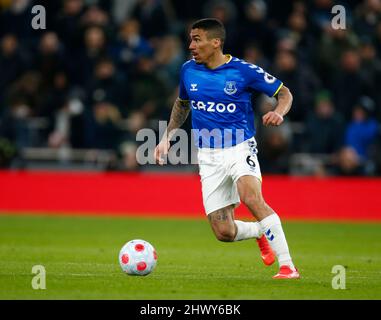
[161, 150]
[272, 118]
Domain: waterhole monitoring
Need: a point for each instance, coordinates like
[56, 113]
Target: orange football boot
[267, 254]
[285, 272]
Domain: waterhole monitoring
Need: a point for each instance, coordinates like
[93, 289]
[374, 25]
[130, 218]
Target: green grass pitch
[80, 255]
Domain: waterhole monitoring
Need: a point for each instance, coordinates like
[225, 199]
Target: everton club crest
[230, 87]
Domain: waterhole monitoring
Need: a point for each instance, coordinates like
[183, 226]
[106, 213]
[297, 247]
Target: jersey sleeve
[260, 80]
[183, 94]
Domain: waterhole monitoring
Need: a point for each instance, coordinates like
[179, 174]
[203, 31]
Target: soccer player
[217, 88]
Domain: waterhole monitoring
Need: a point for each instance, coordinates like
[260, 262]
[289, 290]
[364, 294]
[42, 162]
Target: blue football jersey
[220, 99]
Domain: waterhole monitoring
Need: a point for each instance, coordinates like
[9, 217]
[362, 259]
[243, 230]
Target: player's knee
[225, 234]
[254, 201]
[222, 223]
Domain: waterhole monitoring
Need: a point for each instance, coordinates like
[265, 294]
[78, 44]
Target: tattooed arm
[275, 118]
[179, 114]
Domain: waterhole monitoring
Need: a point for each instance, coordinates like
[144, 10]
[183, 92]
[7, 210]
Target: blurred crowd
[103, 69]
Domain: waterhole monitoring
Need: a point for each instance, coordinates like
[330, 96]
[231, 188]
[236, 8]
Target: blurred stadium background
[73, 97]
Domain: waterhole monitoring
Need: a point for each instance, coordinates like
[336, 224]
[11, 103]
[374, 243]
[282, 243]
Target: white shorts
[220, 170]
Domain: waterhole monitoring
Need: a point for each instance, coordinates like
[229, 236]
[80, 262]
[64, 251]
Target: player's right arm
[179, 114]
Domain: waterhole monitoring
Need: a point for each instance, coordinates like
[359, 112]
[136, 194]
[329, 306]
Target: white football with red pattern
[138, 257]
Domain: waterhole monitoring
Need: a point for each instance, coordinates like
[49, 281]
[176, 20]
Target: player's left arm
[275, 117]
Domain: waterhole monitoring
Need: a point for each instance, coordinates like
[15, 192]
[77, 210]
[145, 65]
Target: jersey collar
[230, 58]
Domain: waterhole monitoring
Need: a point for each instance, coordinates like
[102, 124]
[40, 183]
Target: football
[138, 257]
